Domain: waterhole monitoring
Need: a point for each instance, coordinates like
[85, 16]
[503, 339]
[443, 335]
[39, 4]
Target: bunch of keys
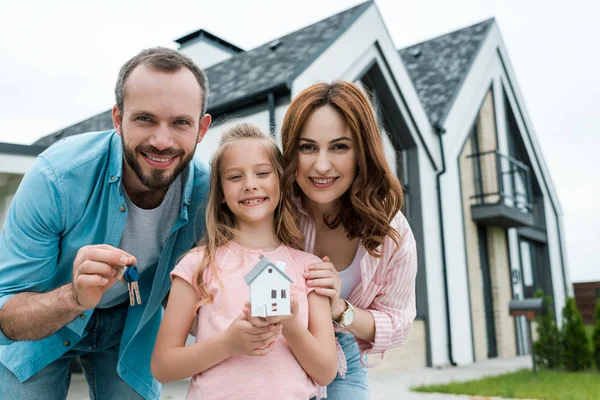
[130, 276]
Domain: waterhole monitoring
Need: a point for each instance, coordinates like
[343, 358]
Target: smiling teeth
[157, 159]
[254, 201]
[323, 181]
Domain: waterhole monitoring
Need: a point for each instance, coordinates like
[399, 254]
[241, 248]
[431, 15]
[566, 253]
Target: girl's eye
[234, 177]
[264, 173]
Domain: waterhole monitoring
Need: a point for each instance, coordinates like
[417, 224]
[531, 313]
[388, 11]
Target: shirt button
[67, 343]
[82, 316]
[122, 208]
[112, 178]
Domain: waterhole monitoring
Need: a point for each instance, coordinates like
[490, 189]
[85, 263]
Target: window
[274, 307]
[270, 270]
[283, 293]
[273, 294]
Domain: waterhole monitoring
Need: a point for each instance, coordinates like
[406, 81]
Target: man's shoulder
[76, 151]
[201, 171]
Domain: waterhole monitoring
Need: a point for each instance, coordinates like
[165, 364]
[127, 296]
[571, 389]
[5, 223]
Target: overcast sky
[59, 61]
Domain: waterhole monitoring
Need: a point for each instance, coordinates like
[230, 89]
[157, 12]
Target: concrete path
[386, 384]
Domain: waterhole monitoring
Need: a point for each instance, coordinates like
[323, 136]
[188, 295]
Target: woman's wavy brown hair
[220, 221]
[375, 197]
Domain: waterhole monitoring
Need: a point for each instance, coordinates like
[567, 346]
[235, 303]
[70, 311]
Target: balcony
[503, 194]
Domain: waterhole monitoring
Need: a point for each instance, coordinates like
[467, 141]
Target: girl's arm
[314, 348]
[172, 360]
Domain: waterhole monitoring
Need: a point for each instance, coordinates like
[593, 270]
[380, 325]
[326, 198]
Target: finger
[90, 267]
[264, 337]
[328, 283]
[326, 259]
[89, 281]
[263, 350]
[258, 330]
[332, 293]
[273, 320]
[323, 265]
[294, 306]
[111, 256]
[319, 273]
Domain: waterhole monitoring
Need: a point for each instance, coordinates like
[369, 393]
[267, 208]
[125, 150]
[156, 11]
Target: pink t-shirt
[277, 375]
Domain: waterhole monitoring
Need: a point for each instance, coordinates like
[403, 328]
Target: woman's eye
[306, 147]
[339, 146]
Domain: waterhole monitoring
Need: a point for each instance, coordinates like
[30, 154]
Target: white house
[479, 197]
[269, 288]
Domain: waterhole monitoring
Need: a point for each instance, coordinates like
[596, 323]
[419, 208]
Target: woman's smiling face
[326, 158]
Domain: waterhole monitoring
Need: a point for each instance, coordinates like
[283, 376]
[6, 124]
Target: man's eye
[181, 122]
[143, 118]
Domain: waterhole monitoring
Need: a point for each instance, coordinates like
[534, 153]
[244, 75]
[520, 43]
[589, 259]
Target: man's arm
[31, 306]
[34, 316]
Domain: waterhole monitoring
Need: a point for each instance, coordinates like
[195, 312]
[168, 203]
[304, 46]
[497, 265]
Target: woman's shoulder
[405, 235]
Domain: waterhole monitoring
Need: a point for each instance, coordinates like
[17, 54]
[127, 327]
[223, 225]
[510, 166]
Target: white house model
[269, 289]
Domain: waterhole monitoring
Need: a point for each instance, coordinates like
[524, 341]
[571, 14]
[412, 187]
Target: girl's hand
[268, 321]
[246, 339]
[325, 278]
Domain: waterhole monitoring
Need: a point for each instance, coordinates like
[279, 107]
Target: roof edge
[202, 33]
[21, 149]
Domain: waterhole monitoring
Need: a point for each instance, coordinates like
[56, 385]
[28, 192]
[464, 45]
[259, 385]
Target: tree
[597, 336]
[576, 354]
[547, 346]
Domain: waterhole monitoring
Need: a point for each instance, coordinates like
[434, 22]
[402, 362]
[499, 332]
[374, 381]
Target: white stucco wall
[205, 54]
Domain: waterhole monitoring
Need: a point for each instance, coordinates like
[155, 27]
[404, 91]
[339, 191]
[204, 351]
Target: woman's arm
[314, 348]
[172, 360]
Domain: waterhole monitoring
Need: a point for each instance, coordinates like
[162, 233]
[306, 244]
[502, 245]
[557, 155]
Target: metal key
[131, 276]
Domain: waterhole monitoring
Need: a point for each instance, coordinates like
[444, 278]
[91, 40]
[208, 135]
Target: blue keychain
[132, 276]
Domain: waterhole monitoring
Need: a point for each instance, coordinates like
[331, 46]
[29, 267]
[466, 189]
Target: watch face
[349, 317]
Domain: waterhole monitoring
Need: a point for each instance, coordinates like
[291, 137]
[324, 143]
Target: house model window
[265, 280]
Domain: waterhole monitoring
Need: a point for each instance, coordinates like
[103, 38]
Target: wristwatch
[347, 317]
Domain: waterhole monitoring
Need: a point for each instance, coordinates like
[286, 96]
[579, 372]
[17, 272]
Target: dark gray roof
[260, 267]
[249, 75]
[21, 149]
[439, 66]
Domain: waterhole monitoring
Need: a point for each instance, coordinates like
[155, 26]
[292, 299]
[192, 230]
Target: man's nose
[161, 139]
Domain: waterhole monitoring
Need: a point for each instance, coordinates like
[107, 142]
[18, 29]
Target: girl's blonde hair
[220, 221]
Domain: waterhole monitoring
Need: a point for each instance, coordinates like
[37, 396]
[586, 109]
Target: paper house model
[269, 289]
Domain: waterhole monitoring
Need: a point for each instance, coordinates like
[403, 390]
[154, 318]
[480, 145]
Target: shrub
[576, 355]
[547, 346]
[597, 336]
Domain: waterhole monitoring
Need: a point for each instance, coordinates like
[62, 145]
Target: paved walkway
[385, 384]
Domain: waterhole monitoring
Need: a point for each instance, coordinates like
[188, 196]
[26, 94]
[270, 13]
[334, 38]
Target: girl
[348, 203]
[280, 357]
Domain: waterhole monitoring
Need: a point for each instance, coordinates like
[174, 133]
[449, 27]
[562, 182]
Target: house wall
[12, 169]
[473, 255]
[205, 54]
[411, 354]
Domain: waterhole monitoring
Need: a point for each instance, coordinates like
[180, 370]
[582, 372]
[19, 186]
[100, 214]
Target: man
[90, 204]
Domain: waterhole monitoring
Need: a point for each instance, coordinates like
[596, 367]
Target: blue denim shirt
[72, 197]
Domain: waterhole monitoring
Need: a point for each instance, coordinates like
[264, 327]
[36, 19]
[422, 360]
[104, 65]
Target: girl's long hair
[220, 221]
[368, 207]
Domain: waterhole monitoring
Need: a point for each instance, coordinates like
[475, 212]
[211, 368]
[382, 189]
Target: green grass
[546, 385]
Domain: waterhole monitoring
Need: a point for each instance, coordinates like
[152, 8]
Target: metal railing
[499, 178]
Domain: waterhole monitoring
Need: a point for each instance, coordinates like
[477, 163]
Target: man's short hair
[165, 60]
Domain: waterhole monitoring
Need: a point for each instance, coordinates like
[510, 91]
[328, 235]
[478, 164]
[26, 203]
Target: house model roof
[258, 268]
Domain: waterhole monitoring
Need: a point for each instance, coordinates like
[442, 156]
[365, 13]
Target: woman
[348, 202]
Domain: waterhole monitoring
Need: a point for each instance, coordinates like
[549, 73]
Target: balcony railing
[503, 194]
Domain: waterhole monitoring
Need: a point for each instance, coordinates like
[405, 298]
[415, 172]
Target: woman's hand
[326, 281]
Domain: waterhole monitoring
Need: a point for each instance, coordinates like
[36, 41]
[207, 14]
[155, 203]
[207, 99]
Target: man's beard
[157, 179]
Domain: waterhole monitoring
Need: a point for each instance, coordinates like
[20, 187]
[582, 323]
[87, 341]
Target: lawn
[545, 385]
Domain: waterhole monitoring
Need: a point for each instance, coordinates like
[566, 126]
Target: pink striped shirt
[386, 290]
